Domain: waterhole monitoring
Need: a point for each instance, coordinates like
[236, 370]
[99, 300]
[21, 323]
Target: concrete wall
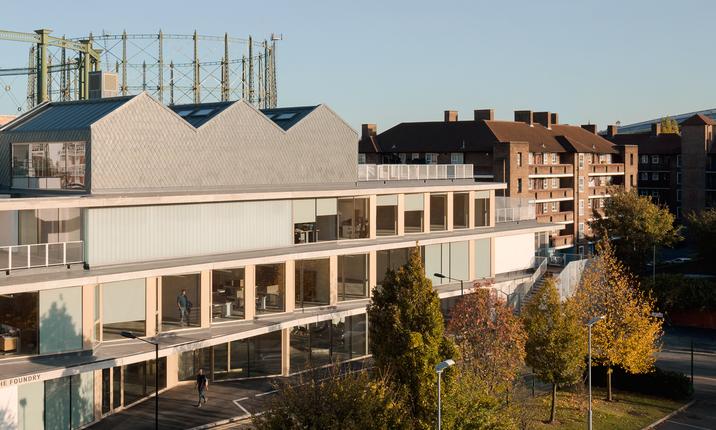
[514, 252]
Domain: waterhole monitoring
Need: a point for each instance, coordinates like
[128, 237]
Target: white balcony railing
[41, 255]
[510, 209]
[406, 172]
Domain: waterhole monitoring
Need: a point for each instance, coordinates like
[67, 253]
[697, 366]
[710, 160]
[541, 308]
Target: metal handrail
[14, 257]
[405, 172]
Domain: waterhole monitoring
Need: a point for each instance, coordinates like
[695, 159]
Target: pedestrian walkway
[177, 406]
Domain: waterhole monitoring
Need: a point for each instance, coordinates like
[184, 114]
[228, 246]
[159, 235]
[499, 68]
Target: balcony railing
[41, 255]
[565, 240]
[556, 217]
[511, 209]
[601, 190]
[407, 172]
[549, 169]
[558, 193]
[606, 168]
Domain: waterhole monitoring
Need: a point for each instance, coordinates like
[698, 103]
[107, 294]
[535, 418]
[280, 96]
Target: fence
[41, 255]
[510, 209]
[405, 172]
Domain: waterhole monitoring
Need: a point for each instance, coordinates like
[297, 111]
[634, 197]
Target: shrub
[678, 293]
[661, 383]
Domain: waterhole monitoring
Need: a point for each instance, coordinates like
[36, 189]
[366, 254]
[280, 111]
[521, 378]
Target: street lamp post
[441, 276]
[130, 335]
[439, 370]
[589, 374]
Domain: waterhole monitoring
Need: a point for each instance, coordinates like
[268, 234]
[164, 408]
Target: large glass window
[413, 215]
[49, 225]
[353, 218]
[228, 287]
[460, 208]
[139, 379]
[181, 301]
[69, 401]
[352, 277]
[386, 222]
[315, 220]
[482, 211]
[61, 165]
[391, 259]
[123, 308]
[270, 288]
[438, 212]
[19, 323]
[449, 259]
[313, 282]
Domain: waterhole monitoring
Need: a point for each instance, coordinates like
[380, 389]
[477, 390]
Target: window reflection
[60, 164]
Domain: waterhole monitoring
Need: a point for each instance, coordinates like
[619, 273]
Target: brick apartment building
[564, 170]
[677, 170]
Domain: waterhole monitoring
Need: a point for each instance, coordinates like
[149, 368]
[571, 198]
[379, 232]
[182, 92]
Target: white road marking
[247, 414]
[267, 393]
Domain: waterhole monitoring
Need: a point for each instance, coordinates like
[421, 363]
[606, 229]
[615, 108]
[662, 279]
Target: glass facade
[352, 277]
[228, 289]
[449, 259]
[460, 208]
[413, 214]
[315, 220]
[313, 282]
[270, 288]
[19, 323]
[123, 308]
[438, 212]
[69, 401]
[482, 212]
[386, 222]
[325, 342]
[392, 259]
[353, 218]
[140, 379]
[181, 301]
[62, 164]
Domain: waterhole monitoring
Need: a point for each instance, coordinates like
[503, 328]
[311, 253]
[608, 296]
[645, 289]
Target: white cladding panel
[514, 252]
[123, 301]
[60, 320]
[387, 200]
[327, 206]
[414, 202]
[141, 233]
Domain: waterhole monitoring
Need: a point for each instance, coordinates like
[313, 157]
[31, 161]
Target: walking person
[202, 385]
[183, 306]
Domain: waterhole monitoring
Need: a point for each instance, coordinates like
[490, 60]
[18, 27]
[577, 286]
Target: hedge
[660, 383]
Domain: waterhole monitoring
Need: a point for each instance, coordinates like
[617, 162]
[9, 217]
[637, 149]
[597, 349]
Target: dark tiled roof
[287, 117]
[662, 144]
[699, 119]
[438, 136]
[74, 115]
[540, 139]
[199, 114]
[583, 140]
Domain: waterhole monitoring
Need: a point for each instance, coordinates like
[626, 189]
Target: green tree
[490, 337]
[637, 225]
[353, 401]
[629, 335]
[669, 125]
[407, 337]
[702, 230]
[469, 404]
[555, 340]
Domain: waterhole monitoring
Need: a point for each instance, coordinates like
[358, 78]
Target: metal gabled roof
[287, 117]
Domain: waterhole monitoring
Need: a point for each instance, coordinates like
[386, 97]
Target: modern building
[117, 207]
[565, 170]
[646, 126]
[677, 170]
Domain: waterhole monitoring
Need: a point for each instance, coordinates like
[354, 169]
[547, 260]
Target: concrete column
[401, 214]
[492, 208]
[290, 280]
[88, 317]
[449, 216]
[98, 394]
[492, 257]
[205, 298]
[471, 260]
[373, 209]
[471, 209]
[285, 352]
[372, 268]
[172, 370]
[333, 276]
[250, 292]
[426, 211]
[151, 306]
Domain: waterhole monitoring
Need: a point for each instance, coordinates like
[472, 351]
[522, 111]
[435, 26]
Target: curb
[235, 419]
[659, 421]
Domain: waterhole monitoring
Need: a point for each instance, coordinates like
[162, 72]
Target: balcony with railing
[562, 241]
[600, 190]
[16, 257]
[545, 170]
[409, 172]
[606, 169]
[511, 209]
[566, 216]
[554, 194]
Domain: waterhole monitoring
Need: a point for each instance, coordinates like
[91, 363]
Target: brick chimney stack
[592, 128]
[450, 116]
[612, 130]
[484, 114]
[368, 130]
[555, 118]
[543, 118]
[524, 116]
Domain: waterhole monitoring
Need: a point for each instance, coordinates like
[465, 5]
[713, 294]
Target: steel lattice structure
[173, 68]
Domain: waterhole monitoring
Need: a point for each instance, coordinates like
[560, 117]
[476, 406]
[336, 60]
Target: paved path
[677, 356]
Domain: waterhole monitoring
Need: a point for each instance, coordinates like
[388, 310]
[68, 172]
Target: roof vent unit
[103, 84]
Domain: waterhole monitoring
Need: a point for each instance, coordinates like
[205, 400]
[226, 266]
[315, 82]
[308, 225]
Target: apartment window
[644, 176]
[545, 184]
[386, 222]
[654, 176]
[402, 157]
[581, 230]
[530, 184]
[581, 185]
[531, 158]
[581, 207]
[654, 159]
[555, 160]
[312, 279]
[581, 161]
[631, 159]
[227, 294]
[519, 159]
[352, 277]
[270, 288]
[181, 301]
[589, 203]
[678, 161]
[460, 208]
[457, 158]
[438, 212]
[631, 180]
[655, 194]
[415, 156]
[678, 195]
[678, 178]
[554, 206]
[353, 222]
[413, 214]
[544, 208]
[431, 158]
[519, 185]
[555, 183]
[21, 323]
[361, 158]
[482, 211]
[314, 220]
[602, 159]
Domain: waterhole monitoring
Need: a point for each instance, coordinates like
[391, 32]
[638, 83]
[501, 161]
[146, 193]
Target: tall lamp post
[590, 323]
[130, 335]
[439, 370]
[441, 276]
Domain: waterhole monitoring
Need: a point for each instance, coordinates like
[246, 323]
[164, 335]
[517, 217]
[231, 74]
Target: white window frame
[581, 207]
[554, 207]
[457, 158]
[654, 176]
[361, 158]
[581, 184]
[581, 230]
[581, 161]
[644, 176]
[555, 183]
[644, 159]
[654, 159]
[554, 158]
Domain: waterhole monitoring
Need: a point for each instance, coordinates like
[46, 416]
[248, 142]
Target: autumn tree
[637, 224]
[669, 125]
[406, 332]
[490, 337]
[629, 336]
[702, 230]
[556, 341]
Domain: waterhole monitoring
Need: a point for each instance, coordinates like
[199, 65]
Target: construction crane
[88, 58]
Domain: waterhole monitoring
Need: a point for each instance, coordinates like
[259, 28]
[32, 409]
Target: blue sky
[393, 61]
